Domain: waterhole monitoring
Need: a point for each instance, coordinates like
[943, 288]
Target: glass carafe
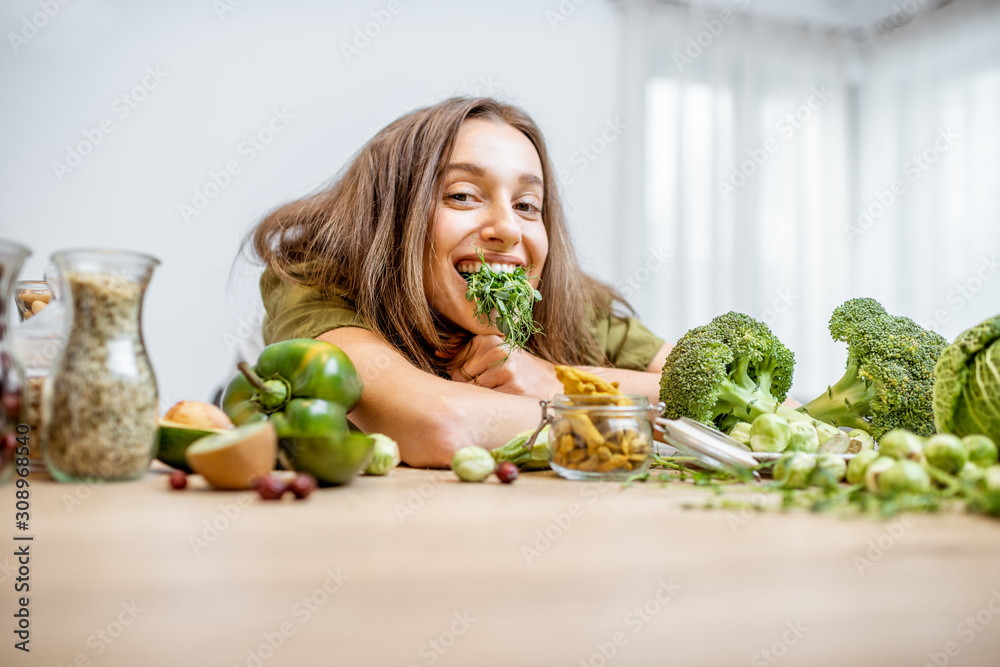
[12, 256]
[100, 403]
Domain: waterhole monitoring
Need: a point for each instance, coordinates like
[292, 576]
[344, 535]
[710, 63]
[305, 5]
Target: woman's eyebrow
[468, 167]
[530, 179]
[476, 170]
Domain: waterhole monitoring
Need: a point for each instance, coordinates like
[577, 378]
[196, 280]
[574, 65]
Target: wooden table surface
[416, 568]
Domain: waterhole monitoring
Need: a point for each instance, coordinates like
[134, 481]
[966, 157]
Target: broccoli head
[731, 369]
[889, 381]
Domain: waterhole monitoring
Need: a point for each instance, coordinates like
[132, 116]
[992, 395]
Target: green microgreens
[511, 296]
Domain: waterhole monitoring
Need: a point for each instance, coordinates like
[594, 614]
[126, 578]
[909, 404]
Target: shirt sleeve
[626, 342]
[294, 311]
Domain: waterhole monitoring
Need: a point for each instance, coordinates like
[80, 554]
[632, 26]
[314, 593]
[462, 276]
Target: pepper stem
[271, 394]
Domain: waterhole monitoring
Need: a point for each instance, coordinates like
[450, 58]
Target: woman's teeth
[474, 267]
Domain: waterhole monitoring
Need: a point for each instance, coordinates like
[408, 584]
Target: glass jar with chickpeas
[601, 437]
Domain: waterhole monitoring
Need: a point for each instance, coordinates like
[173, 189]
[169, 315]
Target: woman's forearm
[430, 417]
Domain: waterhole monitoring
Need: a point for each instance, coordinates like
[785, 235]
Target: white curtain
[762, 141]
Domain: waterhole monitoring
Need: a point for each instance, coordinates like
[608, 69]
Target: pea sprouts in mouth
[508, 298]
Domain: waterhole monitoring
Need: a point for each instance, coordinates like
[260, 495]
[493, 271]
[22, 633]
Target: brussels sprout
[902, 445]
[970, 472]
[875, 470]
[904, 477]
[830, 471]
[473, 464]
[804, 438]
[825, 433]
[861, 441]
[991, 479]
[858, 465]
[946, 452]
[794, 470]
[769, 433]
[981, 449]
[740, 432]
[836, 444]
[385, 455]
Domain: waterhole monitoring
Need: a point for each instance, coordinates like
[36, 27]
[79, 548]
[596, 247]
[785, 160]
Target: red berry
[303, 485]
[507, 472]
[270, 487]
[178, 480]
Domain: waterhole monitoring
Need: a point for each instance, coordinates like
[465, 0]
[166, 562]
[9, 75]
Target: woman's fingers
[479, 358]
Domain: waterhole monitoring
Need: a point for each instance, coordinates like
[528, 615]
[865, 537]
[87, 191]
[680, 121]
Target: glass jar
[99, 405]
[37, 339]
[12, 256]
[601, 437]
[31, 298]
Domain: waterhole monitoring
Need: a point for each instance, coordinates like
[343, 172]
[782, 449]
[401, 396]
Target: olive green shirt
[299, 312]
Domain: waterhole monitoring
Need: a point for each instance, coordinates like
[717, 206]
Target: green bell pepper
[305, 386]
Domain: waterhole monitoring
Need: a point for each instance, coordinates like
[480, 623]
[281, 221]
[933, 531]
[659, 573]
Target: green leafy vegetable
[967, 388]
[510, 296]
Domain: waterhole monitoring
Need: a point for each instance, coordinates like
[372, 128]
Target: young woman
[371, 264]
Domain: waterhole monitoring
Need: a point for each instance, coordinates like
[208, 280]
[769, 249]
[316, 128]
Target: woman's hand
[522, 374]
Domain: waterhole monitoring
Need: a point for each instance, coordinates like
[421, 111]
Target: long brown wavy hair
[369, 232]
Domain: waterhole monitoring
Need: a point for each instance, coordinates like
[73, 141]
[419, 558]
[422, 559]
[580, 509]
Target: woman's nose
[501, 226]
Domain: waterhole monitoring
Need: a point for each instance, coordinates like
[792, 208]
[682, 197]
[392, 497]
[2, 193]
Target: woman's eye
[527, 207]
[463, 197]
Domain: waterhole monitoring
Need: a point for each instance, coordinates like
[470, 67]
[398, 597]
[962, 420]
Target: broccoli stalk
[889, 380]
[844, 402]
[732, 369]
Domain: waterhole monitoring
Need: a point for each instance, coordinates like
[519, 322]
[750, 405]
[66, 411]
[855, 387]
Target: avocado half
[174, 439]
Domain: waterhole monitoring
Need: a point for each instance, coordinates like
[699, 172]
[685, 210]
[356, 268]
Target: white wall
[225, 73]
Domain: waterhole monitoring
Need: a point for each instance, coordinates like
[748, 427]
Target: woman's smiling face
[491, 200]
